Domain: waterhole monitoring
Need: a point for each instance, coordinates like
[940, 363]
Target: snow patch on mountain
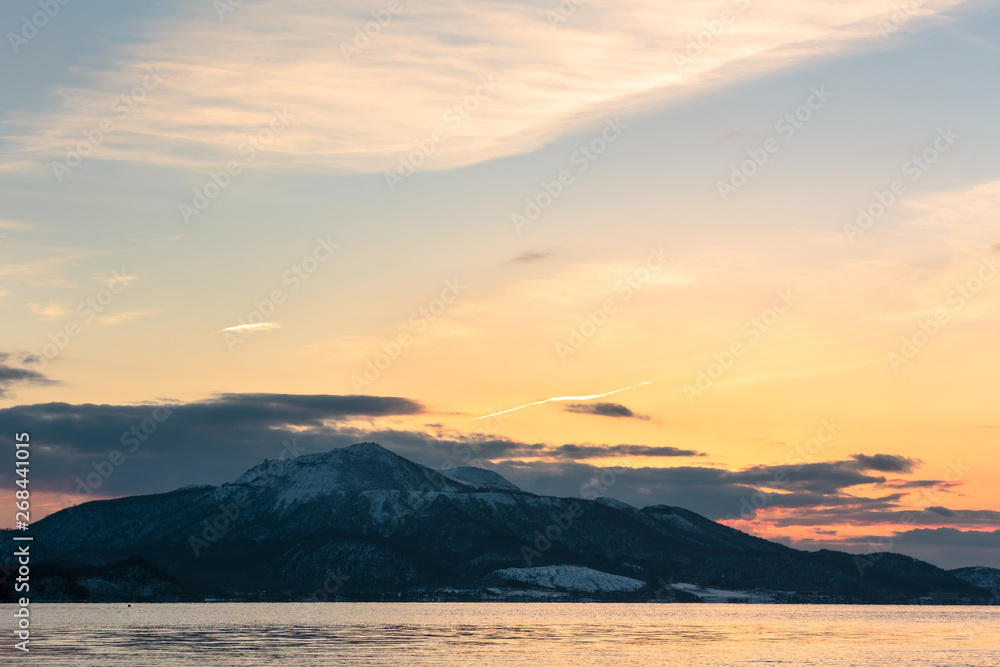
[616, 504]
[721, 595]
[360, 467]
[678, 521]
[573, 578]
[984, 577]
[481, 478]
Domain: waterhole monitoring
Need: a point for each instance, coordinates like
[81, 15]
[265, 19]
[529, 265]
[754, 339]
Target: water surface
[514, 635]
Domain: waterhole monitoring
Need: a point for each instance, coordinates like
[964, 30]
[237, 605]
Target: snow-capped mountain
[364, 523]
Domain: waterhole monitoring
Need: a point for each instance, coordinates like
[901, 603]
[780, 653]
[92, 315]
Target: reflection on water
[517, 635]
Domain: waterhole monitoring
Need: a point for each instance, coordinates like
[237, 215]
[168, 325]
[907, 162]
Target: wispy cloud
[567, 398]
[533, 256]
[222, 80]
[260, 326]
[126, 316]
[48, 311]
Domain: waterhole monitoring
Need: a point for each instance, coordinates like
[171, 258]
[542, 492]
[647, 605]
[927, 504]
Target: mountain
[984, 577]
[364, 523]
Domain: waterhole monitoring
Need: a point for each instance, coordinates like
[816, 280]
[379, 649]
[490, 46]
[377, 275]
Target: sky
[232, 231]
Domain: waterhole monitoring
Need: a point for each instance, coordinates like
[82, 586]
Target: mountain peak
[363, 466]
[366, 447]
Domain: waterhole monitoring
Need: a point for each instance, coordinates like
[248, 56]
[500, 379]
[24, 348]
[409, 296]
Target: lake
[489, 635]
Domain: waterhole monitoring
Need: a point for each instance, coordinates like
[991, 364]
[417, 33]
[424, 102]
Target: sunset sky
[298, 225]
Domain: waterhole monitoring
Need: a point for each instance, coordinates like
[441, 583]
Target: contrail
[565, 398]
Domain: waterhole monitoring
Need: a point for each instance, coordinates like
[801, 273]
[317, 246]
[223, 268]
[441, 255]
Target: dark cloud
[603, 410]
[533, 256]
[817, 500]
[885, 462]
[972, 516]
[163, 447]
[952, 537]
[945, 547]
[171, 445]
[918, 483]
[10, 375]
[860, 515]
[301, 410]
[824, 478]
[576, 452]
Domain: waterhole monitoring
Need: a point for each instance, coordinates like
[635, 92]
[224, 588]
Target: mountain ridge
[384, 527]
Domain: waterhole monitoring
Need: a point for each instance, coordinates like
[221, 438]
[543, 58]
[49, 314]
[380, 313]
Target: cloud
[126, 316]
[171, 444]
[885, 462]
[948, 548]
[585, 397]
[823, 477]
[603, 409]
[49, 311]
[10, 375]
[533, 256]
[220, 81]
[576, 452]
[260, 326]
[859, 514]
[919, 483]
[952, 537]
